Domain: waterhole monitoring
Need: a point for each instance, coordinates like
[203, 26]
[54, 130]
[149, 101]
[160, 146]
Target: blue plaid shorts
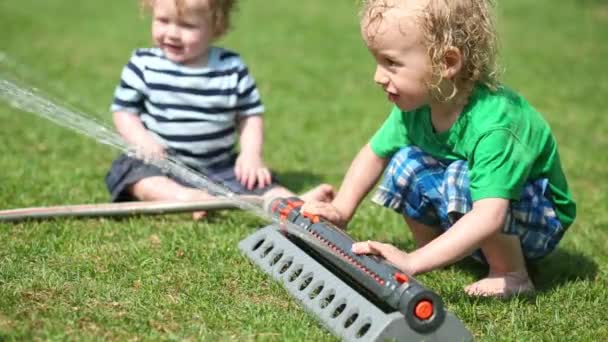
[437, 194]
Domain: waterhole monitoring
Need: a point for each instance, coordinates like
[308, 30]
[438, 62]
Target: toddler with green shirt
[473, 168]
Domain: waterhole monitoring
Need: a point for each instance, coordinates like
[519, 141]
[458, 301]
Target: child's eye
[391, 63]
[162, 20]
[189, 25]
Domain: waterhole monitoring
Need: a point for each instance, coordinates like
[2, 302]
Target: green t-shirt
[505, 141]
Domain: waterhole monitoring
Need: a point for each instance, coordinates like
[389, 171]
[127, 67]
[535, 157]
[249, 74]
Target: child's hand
[250, 170]
[392, 254]
[326, 210]
[131, 128]
[150, 150]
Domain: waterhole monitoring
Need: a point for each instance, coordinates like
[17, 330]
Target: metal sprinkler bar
[125, 208]
[357, 297]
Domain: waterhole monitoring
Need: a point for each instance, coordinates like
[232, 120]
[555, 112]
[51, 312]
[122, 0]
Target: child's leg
[225, 175]
[322, 193]
[432, 196]
[503, 253]
[159, 188]
[532, 231]
[422, 233]
[507, 268]
[132, 179]
[163, 188]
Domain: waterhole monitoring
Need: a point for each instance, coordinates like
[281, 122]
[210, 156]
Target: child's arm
[485, 219]
[250, 168]
[363, 173]
[130, 127]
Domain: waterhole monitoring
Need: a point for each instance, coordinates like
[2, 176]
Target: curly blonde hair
[219, 11]
[467, 25]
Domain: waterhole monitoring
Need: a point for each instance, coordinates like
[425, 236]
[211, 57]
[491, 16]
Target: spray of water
[33, 101]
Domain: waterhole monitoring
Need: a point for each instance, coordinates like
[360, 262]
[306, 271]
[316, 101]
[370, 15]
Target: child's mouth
[173, 48]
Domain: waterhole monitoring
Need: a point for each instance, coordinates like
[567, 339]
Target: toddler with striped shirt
[191, 100]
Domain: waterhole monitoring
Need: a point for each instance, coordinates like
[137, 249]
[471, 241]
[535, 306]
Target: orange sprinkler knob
[297, 204]
[311, 217]
[401, 278]
[423, 309]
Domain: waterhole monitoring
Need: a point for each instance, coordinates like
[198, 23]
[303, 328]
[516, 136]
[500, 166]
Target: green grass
[170, 278]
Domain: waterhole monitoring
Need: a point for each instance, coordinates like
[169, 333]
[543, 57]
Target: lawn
[167, 277]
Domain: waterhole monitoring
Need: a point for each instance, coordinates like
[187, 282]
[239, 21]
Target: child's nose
[380, 77]
[172, 31]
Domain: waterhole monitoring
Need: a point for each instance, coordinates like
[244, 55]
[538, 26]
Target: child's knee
[411, 183]
[406, 165]
[457, 176]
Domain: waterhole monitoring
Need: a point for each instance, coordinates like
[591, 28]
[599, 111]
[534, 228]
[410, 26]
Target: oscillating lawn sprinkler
[357, 297]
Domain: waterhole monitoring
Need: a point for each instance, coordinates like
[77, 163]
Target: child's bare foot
[199, 215]
[501, 285]
[195, 195]
[322, 193]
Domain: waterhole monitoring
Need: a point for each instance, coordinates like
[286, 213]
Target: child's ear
[452, 61]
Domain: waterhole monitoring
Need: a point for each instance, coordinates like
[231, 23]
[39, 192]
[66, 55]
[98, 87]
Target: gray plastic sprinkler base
[340, 308]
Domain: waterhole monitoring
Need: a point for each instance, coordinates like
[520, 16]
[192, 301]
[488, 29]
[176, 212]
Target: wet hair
[219, 11]
[467, 25]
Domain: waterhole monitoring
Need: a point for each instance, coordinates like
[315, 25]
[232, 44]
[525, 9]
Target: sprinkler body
[372, 276]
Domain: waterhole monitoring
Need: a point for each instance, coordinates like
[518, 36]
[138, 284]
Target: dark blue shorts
[437, 194]
[126, 171]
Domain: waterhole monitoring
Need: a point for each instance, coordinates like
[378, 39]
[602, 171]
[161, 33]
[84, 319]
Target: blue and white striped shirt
[192, 111]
